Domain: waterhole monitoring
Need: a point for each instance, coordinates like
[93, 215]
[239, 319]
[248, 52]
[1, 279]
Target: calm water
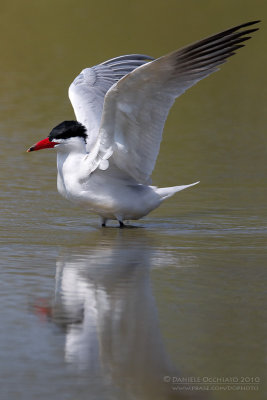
[91, 313]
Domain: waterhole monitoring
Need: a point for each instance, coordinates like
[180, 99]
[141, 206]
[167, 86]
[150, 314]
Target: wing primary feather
[221, 35]
[213, 49]
[136, 107]
[209, 58]
[209, 49]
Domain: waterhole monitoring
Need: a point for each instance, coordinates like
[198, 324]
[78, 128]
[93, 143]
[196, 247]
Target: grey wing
[137, 106]
[89, 88]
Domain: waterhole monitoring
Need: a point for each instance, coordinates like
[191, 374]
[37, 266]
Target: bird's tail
[169, 191]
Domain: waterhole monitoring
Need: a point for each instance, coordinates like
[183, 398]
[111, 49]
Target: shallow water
[92, 313]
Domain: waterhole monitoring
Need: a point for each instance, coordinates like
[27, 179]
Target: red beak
[43, 144]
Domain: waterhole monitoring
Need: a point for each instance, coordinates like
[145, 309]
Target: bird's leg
[121, 225]
[103, 222]
[120, 219]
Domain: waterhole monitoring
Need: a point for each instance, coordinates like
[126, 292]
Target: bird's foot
[103, 222]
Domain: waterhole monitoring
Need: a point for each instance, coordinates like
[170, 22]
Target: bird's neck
[70, 160]
[70, 171]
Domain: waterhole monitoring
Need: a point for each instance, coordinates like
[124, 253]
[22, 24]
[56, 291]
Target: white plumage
[123, 103]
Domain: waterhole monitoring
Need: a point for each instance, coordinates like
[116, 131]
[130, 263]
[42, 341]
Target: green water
[91, 313]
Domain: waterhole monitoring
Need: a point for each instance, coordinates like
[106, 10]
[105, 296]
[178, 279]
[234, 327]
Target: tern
[105, 159]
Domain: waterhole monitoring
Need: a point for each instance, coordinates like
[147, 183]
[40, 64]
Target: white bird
[106, 157]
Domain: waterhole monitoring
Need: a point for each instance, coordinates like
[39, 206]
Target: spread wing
[136, 107]
[89, 88]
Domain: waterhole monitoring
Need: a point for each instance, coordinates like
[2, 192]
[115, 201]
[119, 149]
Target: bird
[106, 156]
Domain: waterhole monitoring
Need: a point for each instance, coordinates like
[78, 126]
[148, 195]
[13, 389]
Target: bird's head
[66, 136]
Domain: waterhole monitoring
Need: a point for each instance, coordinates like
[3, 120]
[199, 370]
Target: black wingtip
[254, 22]
[248, 24]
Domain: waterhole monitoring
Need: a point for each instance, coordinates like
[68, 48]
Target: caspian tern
[106, 157]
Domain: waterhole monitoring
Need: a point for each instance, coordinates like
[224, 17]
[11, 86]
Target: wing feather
[89, 88]
[136, 107]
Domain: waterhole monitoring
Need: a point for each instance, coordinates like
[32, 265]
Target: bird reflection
[104, 302]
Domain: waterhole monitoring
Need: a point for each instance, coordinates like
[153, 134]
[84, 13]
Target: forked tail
[169, 191]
